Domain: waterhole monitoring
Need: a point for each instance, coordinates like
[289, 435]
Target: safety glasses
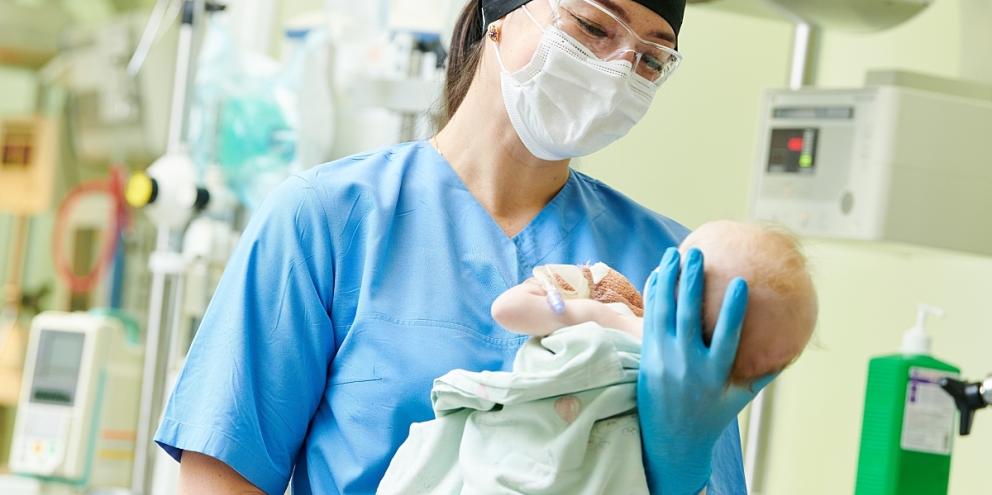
[609, 38]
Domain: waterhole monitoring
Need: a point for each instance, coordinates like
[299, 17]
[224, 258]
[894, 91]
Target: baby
[781, 312]
[564, 419]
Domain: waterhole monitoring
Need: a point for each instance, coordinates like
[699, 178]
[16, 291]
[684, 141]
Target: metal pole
[10, 306]
[165, 265]
[12, 290]
[184, 57]
[175, 324]
[408, 126]
[752, 446]
[805, 45]
[150, 382]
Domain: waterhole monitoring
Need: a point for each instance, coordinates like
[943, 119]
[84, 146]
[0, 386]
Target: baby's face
[782, 307]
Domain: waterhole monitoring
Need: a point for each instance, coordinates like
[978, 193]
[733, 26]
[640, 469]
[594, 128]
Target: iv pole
[166, 264]
[805, 45]
[12, 290]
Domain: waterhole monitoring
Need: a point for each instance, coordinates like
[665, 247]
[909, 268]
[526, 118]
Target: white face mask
[567, 103]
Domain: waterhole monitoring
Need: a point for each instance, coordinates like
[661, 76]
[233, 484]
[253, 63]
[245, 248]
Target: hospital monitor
[880, 163]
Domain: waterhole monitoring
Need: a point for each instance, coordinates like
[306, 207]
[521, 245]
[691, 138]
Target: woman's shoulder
[362, 168]
[366, 177]
[628, 214]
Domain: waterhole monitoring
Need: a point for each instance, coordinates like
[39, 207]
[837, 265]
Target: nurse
[360, 281]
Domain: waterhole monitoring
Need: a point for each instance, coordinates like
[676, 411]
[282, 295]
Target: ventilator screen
[793, 151]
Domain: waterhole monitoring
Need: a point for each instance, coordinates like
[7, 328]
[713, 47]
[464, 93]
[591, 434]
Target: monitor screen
[793, 151]
[56, 371]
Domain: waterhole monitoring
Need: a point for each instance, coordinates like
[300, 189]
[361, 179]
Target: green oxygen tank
[908, 424]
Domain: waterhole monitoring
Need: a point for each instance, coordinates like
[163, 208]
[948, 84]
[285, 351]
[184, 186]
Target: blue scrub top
[354, 286]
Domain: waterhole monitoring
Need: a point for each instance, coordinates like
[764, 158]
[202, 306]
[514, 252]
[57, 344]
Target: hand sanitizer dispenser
[908, 424]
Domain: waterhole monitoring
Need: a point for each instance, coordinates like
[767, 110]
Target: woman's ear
[494, 31]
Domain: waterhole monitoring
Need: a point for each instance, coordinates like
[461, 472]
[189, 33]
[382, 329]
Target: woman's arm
[203, 475]
[279, 282]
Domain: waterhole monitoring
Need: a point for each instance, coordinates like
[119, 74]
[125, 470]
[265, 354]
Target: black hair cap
[671, 10]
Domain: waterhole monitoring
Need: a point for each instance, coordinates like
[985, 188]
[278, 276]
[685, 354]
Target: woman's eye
[653, 64]
[590, 28]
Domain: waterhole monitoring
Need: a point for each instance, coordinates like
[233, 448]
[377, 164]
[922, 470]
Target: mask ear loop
[542, 29]
[533, 19]
[490, 33]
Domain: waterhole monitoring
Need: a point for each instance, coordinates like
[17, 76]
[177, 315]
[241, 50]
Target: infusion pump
[78, 408]
[882, 163]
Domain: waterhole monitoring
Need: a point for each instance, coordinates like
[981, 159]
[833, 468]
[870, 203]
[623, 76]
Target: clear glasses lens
[610, 39]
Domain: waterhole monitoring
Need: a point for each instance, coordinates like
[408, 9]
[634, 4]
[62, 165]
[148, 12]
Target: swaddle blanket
[562, 422]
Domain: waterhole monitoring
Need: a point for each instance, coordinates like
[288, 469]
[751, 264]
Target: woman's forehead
[645, 22]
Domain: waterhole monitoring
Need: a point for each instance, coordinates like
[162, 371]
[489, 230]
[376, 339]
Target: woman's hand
[683, 397]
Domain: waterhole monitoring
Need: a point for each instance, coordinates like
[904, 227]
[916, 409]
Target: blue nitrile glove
[683, 397]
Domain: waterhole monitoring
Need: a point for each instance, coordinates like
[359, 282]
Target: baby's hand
[524, 309]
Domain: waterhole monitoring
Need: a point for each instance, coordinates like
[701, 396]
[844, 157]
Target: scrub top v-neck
[355, 285]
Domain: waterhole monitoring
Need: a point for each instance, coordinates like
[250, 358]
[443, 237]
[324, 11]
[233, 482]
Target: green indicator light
[806, 161]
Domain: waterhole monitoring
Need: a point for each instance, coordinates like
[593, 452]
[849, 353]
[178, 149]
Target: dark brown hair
[463, 58]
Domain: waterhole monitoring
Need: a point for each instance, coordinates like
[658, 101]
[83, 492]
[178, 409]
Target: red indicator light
[795, 144]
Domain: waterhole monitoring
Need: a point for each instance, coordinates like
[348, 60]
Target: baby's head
[782, 307]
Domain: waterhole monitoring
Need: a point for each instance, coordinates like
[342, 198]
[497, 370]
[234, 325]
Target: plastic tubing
[113, 187]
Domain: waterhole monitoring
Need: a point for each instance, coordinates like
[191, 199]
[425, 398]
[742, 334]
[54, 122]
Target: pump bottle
[908, 423]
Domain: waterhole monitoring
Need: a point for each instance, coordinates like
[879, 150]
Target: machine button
[140, 190]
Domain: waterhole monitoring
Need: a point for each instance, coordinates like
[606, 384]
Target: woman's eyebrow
[663, 35]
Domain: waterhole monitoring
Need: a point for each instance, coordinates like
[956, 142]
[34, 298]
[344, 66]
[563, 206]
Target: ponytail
[463, 58]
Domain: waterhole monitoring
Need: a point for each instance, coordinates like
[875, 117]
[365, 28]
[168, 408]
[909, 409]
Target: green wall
[691, 159]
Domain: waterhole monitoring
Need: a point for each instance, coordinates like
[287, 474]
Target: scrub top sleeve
[728, 464]
[258, 366]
